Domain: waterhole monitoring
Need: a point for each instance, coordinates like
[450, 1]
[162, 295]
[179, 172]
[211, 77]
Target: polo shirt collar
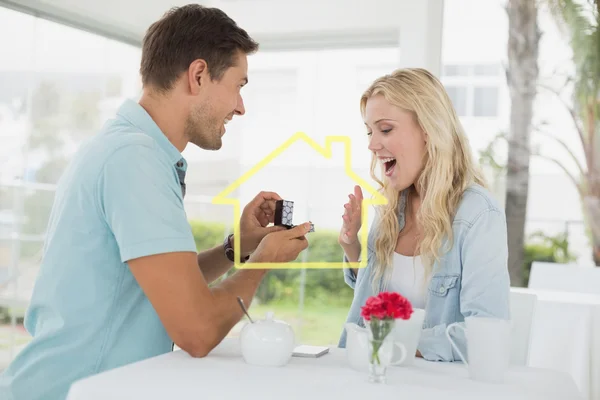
[136, 115]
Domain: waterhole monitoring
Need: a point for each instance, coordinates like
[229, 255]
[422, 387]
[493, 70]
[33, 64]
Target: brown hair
[188, 33]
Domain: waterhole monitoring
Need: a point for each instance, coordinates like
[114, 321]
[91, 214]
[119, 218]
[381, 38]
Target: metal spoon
[241, 303]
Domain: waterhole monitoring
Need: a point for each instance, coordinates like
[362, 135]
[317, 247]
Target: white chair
[564, 277]
[522, 311]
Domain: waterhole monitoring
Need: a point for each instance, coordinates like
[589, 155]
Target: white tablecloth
[224, 375]
[566, 337]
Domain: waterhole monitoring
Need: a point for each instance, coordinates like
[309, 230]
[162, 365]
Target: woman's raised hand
[352, 218]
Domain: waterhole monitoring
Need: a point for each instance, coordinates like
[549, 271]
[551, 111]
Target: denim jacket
[471, 278]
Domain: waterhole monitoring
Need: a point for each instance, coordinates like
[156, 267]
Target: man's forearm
[244, 284]
[213, 263]
[224, 310]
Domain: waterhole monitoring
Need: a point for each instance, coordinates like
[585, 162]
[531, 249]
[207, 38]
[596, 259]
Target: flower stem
[376, 346]
[379, 331]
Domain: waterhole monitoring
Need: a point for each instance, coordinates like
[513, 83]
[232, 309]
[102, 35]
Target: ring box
[284, 214]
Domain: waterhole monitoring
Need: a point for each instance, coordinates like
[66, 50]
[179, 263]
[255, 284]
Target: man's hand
[257, 214]
[283, 246]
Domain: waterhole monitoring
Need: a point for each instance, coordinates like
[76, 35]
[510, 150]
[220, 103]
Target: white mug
[408, 332]
[488, 341]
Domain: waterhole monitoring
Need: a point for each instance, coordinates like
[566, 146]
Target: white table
[224, 375]
[565, 337]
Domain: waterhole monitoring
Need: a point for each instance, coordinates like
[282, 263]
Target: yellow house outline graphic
[378, 199]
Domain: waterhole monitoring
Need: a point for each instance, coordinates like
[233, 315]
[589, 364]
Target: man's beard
[203, 131]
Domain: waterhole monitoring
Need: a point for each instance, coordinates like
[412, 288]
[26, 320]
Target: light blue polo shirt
[119, 199]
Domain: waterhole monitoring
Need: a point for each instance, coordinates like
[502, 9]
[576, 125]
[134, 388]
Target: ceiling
[274, 23]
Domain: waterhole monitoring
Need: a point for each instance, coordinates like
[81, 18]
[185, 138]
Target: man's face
[216, 104]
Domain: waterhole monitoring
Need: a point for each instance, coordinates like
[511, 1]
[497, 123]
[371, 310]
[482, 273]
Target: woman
[441, 239]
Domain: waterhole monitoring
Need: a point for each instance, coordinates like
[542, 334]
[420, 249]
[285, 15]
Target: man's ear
[197, 75]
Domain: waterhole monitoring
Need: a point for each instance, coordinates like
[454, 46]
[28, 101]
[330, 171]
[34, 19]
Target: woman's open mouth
[389, 164]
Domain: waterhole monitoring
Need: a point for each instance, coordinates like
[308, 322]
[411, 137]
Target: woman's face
[396, 140]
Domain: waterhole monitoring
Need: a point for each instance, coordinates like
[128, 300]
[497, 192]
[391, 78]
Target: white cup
[488, 342]
[408, 332]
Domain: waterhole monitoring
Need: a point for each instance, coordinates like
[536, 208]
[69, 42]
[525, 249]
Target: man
[120, 279]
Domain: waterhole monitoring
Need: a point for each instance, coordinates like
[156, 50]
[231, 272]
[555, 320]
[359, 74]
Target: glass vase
[381, 348]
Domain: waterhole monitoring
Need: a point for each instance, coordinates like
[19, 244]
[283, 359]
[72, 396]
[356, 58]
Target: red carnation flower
[387, 305]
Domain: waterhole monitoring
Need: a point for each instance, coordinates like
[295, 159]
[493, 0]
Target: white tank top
[407, 279]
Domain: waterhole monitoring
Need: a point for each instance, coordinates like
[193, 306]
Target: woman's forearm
[352, 252]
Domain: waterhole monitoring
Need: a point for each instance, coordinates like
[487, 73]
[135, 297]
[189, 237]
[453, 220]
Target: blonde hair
[449, 167]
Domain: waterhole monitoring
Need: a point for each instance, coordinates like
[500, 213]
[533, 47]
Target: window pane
[458, 95]
[486, 69]
[74, 91]
[16, 77]
[59, 84]
[366, 75]
[457, 70]
[485, 102]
